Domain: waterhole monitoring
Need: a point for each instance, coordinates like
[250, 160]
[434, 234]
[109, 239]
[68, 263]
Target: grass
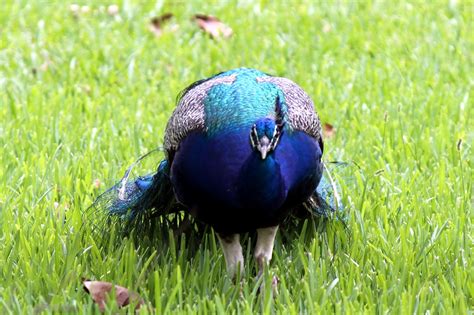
[82, 97]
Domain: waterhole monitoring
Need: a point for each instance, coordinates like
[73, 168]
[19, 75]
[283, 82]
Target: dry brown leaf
[156, 23]
[329, 131]
[213, 26]
[100, 289]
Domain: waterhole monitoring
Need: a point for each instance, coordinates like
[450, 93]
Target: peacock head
[266, 132]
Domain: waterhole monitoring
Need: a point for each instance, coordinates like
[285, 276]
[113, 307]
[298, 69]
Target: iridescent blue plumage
[243, 150]
[265, 127]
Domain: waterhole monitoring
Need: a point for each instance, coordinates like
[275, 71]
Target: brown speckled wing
[301, 113]
[189, 114]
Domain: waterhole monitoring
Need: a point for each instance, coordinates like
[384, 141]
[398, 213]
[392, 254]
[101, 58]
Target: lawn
[84, 93]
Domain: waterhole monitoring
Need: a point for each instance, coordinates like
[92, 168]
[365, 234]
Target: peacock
[243, 152]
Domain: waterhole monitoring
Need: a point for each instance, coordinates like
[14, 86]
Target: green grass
[81, 98]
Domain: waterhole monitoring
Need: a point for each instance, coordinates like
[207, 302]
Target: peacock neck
[261, 183]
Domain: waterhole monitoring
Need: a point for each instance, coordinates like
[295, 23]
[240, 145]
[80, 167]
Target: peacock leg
[264, 248]
[232, 253]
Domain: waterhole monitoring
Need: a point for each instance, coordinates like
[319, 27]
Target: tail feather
[133, 203]
[146, 196]
[326, 200]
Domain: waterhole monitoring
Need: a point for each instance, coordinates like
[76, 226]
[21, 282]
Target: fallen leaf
[329, 131]
[100, 289]
[213, 26]
[156, 23]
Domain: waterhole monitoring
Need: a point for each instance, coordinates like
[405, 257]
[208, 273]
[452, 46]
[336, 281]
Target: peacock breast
[224, 182]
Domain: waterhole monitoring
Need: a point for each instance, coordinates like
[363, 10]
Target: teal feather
[241, 103]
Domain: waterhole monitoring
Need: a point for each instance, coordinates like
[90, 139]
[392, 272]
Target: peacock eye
[275, 132]
[254, 136]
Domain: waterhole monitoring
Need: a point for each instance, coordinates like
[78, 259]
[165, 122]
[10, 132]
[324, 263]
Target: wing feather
[301, 113]
[189, 114]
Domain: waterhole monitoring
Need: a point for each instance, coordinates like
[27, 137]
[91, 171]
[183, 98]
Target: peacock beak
[264, 147]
